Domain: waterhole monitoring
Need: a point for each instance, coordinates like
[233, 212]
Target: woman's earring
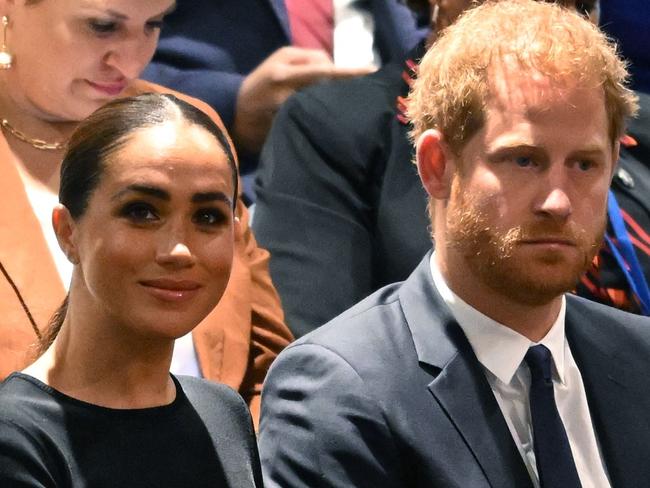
[5, 56]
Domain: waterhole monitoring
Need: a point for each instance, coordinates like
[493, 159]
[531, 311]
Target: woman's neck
[25, 116]
[97, 362]
[25, 122]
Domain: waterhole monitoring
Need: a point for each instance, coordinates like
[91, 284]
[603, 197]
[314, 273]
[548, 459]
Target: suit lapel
[460, 388]
[280, 10]
[616, 398]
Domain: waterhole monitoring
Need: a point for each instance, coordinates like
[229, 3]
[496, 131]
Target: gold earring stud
[5, 56]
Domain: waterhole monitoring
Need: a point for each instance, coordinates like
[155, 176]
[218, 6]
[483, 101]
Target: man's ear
[434, 166]
[64, 228]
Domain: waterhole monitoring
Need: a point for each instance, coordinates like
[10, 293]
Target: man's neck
[531, 321]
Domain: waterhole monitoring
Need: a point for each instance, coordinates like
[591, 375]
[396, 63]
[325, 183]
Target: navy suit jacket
[207, 47]
[390, 394]
[627, 21]
[340, 206]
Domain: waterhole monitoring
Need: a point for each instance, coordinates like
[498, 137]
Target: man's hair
[453, 83]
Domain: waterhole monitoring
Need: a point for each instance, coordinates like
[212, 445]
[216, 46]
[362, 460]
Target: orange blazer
[235, 343]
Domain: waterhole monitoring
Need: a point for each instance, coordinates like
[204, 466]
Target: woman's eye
[154, 25]
[208, 217]
[102, 26]
[140, 212]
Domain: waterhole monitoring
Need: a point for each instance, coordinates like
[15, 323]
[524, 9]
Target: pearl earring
[5, 56]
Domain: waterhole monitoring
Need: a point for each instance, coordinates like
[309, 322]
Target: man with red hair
[480, 370]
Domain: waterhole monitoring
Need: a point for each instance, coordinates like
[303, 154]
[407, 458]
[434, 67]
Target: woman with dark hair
[146, 216]
[60, 60]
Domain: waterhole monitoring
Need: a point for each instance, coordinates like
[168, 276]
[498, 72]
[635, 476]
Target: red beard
[501, 259]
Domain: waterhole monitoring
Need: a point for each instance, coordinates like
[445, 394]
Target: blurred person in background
[246, 57]
[340, 206]
[628, 21]
[61, 60]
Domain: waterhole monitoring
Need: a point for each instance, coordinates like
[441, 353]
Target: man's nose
[554, 200]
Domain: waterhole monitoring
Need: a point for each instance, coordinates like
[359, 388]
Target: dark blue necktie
[555, 465]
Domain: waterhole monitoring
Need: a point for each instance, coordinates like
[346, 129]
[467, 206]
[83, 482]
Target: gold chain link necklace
[36, 143]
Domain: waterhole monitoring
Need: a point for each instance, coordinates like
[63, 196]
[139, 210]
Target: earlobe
[64, 226]
[237, 228]
[434, 166]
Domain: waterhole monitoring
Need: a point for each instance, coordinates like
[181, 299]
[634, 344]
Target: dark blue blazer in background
[207, 47]
[628, 21]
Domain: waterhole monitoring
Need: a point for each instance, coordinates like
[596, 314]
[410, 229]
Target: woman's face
[73, 56]
[154, 248]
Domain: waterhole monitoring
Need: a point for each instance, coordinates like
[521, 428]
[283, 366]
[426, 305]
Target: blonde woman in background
[61, 60]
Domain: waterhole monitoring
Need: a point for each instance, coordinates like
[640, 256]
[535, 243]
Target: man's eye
[585, 165]
[523, 161]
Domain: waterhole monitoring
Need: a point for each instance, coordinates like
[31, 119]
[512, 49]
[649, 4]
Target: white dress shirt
[501, 351]
[354, 36]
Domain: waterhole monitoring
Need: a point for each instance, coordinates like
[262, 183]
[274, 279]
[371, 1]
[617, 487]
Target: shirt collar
[499, 348]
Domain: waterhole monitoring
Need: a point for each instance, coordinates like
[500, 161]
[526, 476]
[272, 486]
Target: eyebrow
[116, 15]
[152, 191]
[211, 196]
[588, 151]
[508, 148]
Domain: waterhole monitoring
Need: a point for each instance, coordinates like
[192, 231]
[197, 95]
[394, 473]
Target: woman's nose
[176, 254]
[130, 56]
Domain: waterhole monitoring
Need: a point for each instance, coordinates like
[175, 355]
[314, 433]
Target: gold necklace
[36, 143]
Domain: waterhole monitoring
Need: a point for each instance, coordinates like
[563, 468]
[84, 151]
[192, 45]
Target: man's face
[527, 207]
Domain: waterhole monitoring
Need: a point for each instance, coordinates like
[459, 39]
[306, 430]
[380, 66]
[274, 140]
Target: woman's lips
[171, 290]
[110, 88]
